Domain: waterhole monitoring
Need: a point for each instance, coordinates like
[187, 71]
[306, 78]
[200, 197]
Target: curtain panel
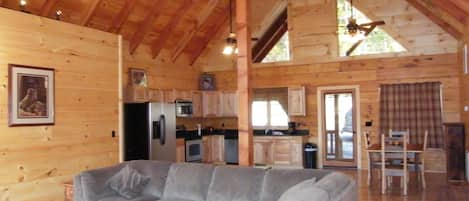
[416, 107]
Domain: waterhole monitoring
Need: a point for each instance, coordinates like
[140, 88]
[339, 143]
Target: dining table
[413, 151]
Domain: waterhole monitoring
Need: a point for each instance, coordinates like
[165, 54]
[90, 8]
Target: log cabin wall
[464, 88]
[36, 160]
[368, 74]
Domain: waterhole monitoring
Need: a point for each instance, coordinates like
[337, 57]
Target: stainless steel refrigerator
[150, 131]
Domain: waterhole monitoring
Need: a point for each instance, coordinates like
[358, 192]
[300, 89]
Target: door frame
[321, 137]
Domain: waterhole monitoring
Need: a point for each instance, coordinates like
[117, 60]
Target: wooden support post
[244, 91]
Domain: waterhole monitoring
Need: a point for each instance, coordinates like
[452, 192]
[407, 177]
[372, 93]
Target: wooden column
[244, 92]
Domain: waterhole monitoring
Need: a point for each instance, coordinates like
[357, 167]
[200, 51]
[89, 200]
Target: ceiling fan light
[228, 50]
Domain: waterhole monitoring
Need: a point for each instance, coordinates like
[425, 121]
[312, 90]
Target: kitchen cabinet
[296, 101]
[228, 104]
[136, 94]
[180, 150]
[156, 95]
[211, 103]
[263, 151]
[207, 155]
[172, 95]
[217, 148]
[197, 104]
[279, 150]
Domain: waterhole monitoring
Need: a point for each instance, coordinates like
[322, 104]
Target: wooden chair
[392, 170]
[374, 161]
[420, 162]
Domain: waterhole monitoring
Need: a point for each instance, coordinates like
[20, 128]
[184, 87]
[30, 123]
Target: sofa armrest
[91, 185]
[348, 194]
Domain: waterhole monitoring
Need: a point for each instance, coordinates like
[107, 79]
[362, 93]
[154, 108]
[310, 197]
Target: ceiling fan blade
[376, 23]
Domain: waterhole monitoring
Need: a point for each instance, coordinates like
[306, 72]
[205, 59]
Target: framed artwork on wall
[138, 77]
[31, 95]
[207, 82]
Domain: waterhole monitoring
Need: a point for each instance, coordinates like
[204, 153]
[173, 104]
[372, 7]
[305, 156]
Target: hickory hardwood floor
[437, 189]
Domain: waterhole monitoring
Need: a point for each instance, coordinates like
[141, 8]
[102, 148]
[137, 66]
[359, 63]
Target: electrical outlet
[113, 133]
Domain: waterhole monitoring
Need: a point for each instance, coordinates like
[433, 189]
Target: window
[378, 41]
[280, 51]
[273, 45]
[416, 107]
[269, 108]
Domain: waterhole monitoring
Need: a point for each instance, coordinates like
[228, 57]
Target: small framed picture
[31, 95]
[207, 82]
[138, 77]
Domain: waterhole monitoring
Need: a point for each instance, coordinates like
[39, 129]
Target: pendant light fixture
[230, 45]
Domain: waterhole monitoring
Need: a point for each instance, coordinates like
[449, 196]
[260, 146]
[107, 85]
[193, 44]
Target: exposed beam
[273, 34]
[440, 17]
[244, 62]
[193, 29]
[211, 33]
[90, 12]
[463, 4]
[122, 16]
[145, 25]
[451, 9]
[168, 29]
[47, 7]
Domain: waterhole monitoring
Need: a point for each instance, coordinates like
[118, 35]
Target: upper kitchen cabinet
[197, 104]
[211, 103]
[172, 95]
[228, 104]
[156, 95]
[296, 101]
[136, 94]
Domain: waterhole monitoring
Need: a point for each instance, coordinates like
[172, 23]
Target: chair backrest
[399, 133]
[425, 140]
[393, 144]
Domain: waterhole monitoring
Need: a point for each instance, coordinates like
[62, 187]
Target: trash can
[309, 156]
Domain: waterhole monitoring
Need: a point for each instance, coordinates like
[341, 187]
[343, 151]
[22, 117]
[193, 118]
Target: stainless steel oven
[194, 150]
[183, 108]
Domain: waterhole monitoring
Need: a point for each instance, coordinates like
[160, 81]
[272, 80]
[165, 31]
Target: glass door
[339, 133]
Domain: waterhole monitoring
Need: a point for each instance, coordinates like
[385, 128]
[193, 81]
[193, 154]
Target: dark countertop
[193, 134]
[285, 133]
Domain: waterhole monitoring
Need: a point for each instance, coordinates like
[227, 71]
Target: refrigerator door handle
[162, 130]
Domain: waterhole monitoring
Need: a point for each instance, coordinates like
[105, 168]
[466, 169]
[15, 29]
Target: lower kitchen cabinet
[279, 150]
[218, 148]
[180, 150]
[207, 155]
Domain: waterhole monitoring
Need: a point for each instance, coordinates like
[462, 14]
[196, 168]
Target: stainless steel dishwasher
[231, 148]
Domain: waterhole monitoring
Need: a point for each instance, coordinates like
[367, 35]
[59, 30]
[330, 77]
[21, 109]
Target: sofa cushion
[128, 182]
[188, 181]
[304, 191]
[174, 199]
[157, 171]
[334, 184]
[235, 184]
[277, 181]
[141, 198]
[93, 183]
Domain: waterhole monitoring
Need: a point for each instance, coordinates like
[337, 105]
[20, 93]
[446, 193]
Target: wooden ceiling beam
[122, 16]
[451, 9]
[193, 29]
[463, 4]
[440, 17]
[145, 26]
[211, 33]
[90, 12]
[159, 43]
[47, 7]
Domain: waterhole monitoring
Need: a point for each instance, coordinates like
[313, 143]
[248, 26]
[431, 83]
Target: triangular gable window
[273, 45]
[378, 41]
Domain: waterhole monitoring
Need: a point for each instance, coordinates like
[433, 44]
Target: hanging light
[230, 45]
[23, 5]
[58, 14]
[354, 32]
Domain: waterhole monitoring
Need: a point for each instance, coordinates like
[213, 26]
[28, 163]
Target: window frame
[269, 126]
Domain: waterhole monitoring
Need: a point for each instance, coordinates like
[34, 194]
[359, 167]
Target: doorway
[339, 123]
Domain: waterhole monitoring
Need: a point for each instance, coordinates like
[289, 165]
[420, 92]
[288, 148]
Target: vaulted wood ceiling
[187, 26]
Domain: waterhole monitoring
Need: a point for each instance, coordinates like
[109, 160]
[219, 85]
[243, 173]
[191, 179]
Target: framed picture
[138, 77]
[207, 82]
[31, 95]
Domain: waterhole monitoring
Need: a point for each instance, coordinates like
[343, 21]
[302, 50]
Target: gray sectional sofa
[202, 182]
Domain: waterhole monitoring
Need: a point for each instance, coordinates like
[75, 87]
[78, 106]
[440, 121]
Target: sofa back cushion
[277, 181]
[157, 171]
[235, 184]
[188, 181]
[334, 184]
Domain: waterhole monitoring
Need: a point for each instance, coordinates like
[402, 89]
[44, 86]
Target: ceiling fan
[359, 31]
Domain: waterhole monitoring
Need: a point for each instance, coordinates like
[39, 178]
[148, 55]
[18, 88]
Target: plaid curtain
[416, 107]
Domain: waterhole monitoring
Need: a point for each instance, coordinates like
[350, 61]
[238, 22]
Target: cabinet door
[183, 95]
[156, 95]
[180, 150]
[263, 152]
[196, 104]
[207, 155]
[169, 96]
[282, 152]
[296, 101]
[229, 104]
[136, 94]
[218, 148]
[296, 151]
[210, 101]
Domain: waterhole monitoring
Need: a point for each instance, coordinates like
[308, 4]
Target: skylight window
[280, 51]
[378, 41]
